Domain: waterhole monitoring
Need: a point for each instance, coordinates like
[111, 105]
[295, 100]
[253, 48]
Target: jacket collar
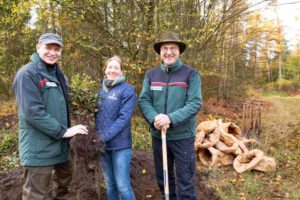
[171, 68]
[107, 85]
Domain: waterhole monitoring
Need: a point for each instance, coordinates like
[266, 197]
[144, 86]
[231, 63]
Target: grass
[274, 93]
[282, 129]
[249, 185]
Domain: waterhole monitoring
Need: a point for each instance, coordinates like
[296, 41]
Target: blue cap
[50, 38]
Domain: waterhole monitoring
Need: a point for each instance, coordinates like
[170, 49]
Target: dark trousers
[37, 185]
[181, 168]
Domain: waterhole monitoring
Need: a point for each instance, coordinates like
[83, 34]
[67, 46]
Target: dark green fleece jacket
[175, 91]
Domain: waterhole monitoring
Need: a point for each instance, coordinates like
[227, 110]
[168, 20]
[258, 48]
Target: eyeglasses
[166, 49]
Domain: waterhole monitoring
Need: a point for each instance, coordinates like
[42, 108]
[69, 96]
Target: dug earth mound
[142, 177]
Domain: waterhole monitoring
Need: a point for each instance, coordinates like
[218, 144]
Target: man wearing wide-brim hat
[170, 100]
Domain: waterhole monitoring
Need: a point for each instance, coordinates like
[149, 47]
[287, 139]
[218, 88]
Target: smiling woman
[116, 105]
[113, 68]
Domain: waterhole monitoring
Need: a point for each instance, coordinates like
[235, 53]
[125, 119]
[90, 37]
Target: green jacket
[175, 91]
[43, 114]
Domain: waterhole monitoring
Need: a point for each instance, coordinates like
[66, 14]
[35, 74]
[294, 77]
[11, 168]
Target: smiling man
[170, 99]
[42, 96]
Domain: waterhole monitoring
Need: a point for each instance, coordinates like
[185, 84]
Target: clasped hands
[162, 121]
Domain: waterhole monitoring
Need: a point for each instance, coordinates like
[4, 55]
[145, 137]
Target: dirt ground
[87, 178]
[142, 176]
[8, 121]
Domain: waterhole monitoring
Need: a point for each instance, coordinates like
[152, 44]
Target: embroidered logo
[113, 97]
[42, 84]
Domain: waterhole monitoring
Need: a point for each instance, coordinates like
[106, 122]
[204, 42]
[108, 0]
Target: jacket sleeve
[193, 103]
[128, 105]
[145, 102]
[32, 107]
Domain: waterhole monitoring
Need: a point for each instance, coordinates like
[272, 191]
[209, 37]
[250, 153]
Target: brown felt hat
[170, 37]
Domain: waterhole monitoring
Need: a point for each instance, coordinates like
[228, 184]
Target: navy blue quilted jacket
[113, 119]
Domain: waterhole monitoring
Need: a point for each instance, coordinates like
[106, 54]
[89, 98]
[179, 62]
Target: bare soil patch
[142, 177]
[88, 182]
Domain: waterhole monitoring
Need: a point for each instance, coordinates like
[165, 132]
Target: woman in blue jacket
[116, 105]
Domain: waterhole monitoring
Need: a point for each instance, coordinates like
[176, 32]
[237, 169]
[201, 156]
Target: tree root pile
[219, 143]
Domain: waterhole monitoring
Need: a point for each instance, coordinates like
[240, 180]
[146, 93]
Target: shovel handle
[165, 163]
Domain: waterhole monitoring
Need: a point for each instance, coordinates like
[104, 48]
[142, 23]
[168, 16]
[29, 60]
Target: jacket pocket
[43, 146]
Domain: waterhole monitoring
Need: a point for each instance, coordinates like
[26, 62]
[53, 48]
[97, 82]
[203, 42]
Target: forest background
[234, 47]
[238, 51]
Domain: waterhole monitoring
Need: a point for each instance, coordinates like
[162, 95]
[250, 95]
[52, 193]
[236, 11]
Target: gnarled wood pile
[219, 143]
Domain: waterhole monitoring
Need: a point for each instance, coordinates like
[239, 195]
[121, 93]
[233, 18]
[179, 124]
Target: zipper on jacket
[167, 91]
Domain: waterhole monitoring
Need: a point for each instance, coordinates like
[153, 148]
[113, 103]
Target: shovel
[165, 162]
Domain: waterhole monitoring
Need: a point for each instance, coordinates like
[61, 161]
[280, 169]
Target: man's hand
[161, 120]
[165, 128]
[74, 130]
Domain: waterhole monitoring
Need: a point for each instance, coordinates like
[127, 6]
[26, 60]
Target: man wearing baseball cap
[170, 100]
[42, 95]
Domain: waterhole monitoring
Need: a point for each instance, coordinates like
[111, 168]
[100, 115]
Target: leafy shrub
[287, 86]
[8, 148]
[83, 96]
[140, 133]
[7, 142]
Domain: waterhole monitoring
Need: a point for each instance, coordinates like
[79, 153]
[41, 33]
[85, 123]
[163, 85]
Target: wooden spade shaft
[165, 163]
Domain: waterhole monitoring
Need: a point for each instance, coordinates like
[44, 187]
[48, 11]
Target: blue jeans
[181, 164]
[116, 170]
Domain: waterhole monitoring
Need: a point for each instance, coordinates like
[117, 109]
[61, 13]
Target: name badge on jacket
[51, 84]
[156, 88]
